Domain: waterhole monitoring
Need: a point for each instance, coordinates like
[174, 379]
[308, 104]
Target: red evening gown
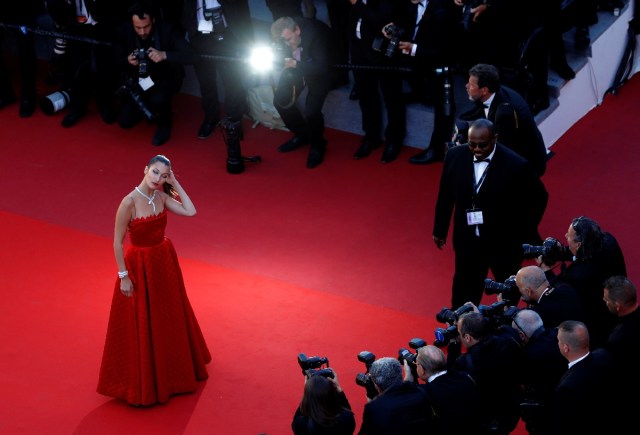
[154, 346]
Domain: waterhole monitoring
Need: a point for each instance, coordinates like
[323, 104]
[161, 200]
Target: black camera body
[327, 373]
[551, 251]
[217, 18]
[142, 57]
[388, 46]
[508, 289]
[411, 357]
[312, 362]
[445, 315]
[364, 379]
[445, 335]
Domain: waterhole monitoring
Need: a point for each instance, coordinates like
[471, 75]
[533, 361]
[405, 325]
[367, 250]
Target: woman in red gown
[154, 346]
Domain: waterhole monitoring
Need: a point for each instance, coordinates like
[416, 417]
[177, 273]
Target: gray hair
[386, 372]
[528, 321]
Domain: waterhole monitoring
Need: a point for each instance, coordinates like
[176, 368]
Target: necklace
[149, 198]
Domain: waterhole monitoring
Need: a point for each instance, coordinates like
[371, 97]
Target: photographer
[590, 257]
[553, 304]
[426, 45]
[494, 362]
[324, 408]
[452, 394]
[152, 54]
[540, 351]
[399, 407]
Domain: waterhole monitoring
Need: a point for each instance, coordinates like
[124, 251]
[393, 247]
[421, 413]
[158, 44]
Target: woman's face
[157, 174]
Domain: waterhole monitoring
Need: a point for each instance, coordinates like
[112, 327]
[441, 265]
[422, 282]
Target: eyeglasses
[481, 145]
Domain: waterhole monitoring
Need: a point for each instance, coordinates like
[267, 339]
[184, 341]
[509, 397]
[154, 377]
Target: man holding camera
[400, 407]
[152, 54]
[222, 29]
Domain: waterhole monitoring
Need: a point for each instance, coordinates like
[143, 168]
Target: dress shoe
[27, 107]
[162, 135]
[292, 144]
[7, 100]
[72, 118]
[390, 153]
[425, 157]
[316, 154]
[365, 148]
[207, 127]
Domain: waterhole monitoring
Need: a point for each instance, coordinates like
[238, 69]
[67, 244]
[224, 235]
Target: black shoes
[390, 153]
[426, 157]
[27, 107]
[162, 135]
[292, 144]
[72, 118]
[207, 127]
[7, 100]
[316, 154]
[564, 71]
[365, 148]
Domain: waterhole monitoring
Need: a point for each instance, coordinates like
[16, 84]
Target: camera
[508, 289]
[445, 335]
[327, 373]
[312, 362]
[142, 57]
[410, 357]
[551, 251]
[132, 89]
[217, 18]
[451, 317]
[388, 46]
[498, 314]
[364, 379]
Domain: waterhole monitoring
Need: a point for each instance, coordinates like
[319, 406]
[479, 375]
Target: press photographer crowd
[131, 57]
[556, 350]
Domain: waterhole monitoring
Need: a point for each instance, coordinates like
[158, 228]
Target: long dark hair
[167, 187]
[320, 401]
[590, 236]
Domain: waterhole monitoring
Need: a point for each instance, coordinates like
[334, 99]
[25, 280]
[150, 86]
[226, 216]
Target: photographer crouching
[152, 54]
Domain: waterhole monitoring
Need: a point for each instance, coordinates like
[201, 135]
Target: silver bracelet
[123, 274]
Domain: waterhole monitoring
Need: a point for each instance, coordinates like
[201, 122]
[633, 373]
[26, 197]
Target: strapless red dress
[154, 346]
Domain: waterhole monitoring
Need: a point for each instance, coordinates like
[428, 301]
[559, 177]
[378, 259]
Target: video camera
[315, 366]
[508, 289]
[364, 379]
[388, 46]
[410, 357]
[551, 251]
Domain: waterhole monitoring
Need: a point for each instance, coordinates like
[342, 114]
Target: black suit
[315, 68]
[234, 43]
[454, 398]
[371, 83]
[397, 410]
[515, 126]
[434, 37]
[558, 304]
[512, 199]
[584, 399]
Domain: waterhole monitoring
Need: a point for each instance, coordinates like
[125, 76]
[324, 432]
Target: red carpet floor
[279, 260]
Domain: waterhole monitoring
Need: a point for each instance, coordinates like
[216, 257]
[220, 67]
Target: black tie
[414, 14]
[482, 160]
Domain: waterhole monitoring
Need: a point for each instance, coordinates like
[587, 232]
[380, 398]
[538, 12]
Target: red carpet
[279, 260]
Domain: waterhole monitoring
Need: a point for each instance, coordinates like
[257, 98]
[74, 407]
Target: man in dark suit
[553, 304]
[540, 350]
[224, 30]
[482, 196]
[165, 52]
[366, 20]
[514, 122]
[584, 400]
[309, 64]
[452, 394]
[399, 407]
[427, 45]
